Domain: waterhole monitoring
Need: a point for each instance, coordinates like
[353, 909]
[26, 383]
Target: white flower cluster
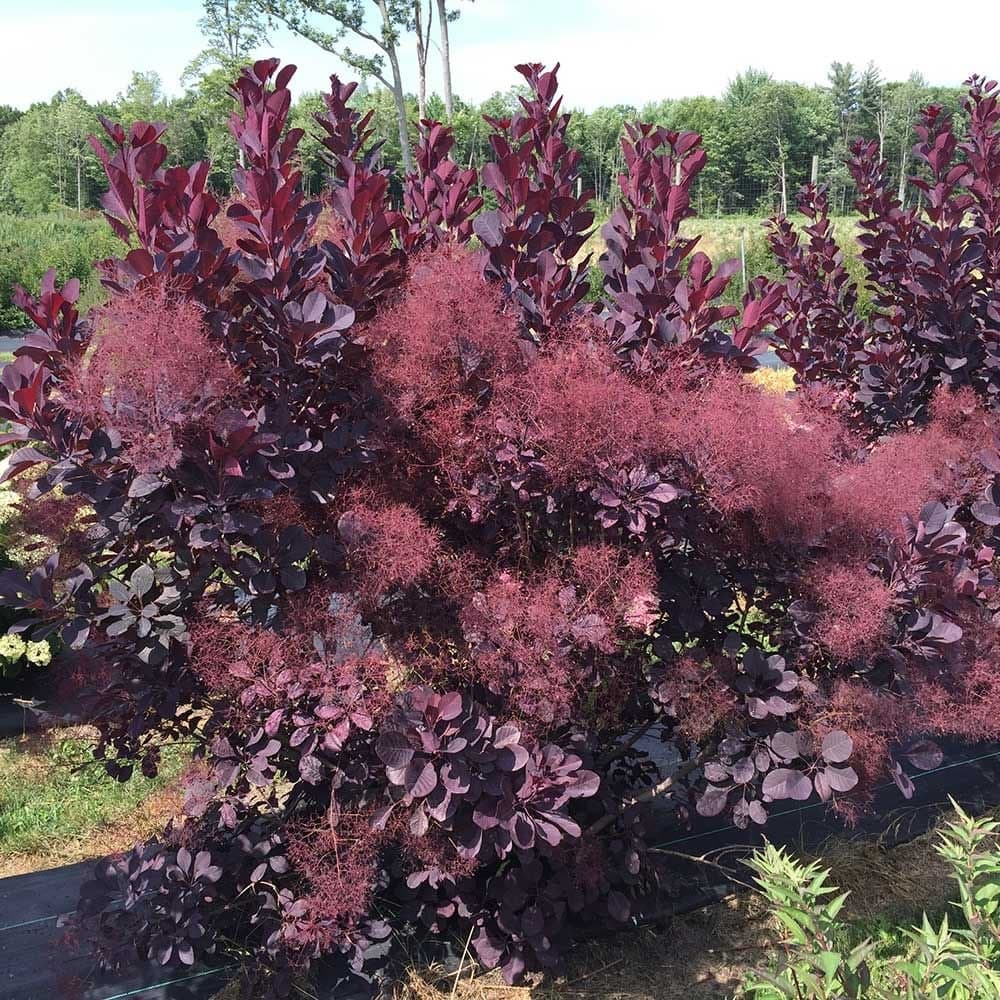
[13, 648]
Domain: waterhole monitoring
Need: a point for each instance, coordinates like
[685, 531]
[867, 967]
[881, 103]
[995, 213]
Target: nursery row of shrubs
[414, 545]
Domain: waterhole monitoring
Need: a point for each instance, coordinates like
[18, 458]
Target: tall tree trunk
[449, 105]
[784, 179]
[397, 87]
[423, 41]
[404, 128]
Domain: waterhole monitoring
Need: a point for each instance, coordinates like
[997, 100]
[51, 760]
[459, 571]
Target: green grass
[53, 794]
[68, 241]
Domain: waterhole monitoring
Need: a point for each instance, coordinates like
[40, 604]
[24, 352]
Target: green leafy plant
[952, 960]
[68, 241]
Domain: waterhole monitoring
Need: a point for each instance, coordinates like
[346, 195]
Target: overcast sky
[612, 51]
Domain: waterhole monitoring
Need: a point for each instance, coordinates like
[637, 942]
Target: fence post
[815, 168]
[743, 256]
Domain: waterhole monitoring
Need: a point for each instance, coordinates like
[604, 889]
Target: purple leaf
[837, 746]
[784, 783]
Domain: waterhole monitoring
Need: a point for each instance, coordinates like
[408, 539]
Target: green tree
[142, 99]
[234, 29]
[445, 17]
[8, 115]
[776, 128]
[904, 101]
[845, 91]
[420, 24]
[597, 135]
[45, 159]
[209, 105]
[349, 17]
[310, 152]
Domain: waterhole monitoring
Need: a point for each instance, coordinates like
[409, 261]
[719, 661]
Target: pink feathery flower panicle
[693, 692]
[577, 405]
[902, 472]
[389, 546]
[228, 655]
[435, 849]
[339, 866]
[756, 455]
[855, 609]
[444, 342]
[967, 706]
[514, 628]
[541, 640]
[150, 372]
[623, 588]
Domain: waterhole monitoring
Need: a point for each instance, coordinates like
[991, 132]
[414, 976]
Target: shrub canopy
[421, 553]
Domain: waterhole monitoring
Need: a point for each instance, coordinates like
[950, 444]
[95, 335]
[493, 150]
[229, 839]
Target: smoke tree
[420, 553]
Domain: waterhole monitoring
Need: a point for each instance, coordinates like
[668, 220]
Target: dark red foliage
[437, 199]
[361, 261]
[820, 334]
[933, 269]
[168, 212]
[415, 557]
[541, 221]
[657, 297]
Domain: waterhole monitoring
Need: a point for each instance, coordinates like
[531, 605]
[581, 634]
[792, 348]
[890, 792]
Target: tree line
[764, 137]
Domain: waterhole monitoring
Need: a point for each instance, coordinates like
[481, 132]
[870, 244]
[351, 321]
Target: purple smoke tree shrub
[424, 552]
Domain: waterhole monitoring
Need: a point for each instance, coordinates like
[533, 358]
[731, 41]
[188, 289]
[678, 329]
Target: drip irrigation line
[139, 990]
[28, 923]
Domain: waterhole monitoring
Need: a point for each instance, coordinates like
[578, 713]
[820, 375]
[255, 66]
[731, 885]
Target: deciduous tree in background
[421, 27]
[446, 16]
[350, 17]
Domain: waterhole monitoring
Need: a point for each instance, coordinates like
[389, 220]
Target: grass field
[71, 242]
[58, 806]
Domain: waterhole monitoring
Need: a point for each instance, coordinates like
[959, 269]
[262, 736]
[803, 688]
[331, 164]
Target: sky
[611, 51]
